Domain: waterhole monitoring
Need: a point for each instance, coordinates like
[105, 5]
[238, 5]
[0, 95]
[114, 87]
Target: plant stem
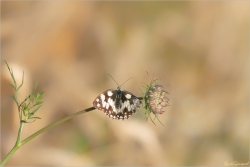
[12, 151]
[19, 134]
[19, 144]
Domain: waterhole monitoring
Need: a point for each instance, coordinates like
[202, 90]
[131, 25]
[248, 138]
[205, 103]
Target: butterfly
[117, 103]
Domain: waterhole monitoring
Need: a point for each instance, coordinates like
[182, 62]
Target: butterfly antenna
[126, 81]
[114, 80]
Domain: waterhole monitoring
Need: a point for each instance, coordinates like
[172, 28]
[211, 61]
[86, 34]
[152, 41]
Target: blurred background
[198, 50]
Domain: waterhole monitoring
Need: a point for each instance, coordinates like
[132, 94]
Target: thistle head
[155, 99]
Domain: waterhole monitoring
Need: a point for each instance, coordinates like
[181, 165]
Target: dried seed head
[157, 99]
[154, 100]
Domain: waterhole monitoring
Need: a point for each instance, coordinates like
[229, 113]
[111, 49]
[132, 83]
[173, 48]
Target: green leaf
[12, 86]
[7, 65]
[38, 99]
[39, 96]
[27, 98]
[32, 95]
[38, 103]
[11, 73]
[35, 110]
[22, 82]
[24, 121]
[28, 122]
[27, 106]
[13, 78]
[35, 118]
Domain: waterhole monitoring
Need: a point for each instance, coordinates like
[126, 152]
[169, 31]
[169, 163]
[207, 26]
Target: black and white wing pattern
[117, 104]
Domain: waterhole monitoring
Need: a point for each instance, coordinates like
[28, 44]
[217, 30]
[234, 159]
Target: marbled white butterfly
[117, 103]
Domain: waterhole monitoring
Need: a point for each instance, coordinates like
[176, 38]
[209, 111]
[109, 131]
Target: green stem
[19, 144]
[19, 134]
[12, 151]
[16, 146]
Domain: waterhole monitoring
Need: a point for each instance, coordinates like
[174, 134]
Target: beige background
[198, 49]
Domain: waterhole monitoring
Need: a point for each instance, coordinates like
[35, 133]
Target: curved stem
[17, 146]
[54, 124]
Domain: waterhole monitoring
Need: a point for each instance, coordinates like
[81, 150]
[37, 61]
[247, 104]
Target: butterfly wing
[130, 103]
[102, 101]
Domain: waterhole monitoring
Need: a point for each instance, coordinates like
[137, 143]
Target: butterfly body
[117, 103]
[118, 98]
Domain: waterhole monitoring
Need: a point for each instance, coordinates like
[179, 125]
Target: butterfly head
[119, 91]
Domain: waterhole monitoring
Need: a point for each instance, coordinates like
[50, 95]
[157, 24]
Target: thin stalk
[54, 124]
[19, 144]
[19, 134]
[16, 146]
[12, 151]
